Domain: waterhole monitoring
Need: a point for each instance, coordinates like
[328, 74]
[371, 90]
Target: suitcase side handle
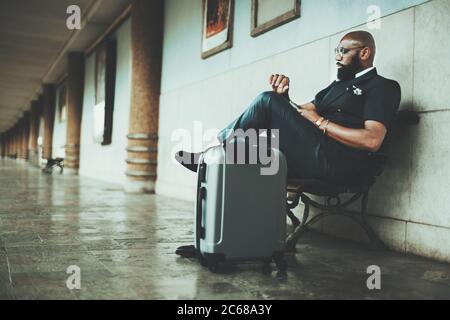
[200, 230]
[201, 195]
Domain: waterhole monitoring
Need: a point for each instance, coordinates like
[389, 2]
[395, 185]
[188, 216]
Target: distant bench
[51, 163]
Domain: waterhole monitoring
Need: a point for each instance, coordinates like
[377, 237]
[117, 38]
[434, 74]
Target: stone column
[2, 145]
[16, 133]
[13, 140]
[8, 143]
[75, 84]
[25, 135]
[19, 137]
[41, 129]
[146, 37]
[49, 118]
[4, 138]
[34, 133]
[16, 140]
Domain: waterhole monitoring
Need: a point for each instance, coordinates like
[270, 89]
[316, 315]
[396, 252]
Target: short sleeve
[319, 96]
[382, 102]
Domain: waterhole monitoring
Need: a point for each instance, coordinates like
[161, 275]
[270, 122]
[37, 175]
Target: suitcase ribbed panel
[244, 212]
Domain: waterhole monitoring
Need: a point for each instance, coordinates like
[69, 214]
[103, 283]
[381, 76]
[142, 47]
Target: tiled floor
[124, 246]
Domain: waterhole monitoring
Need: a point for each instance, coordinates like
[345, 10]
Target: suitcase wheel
[203, 261]
[213, 266]
[267, 268]
[281, 264]
[212, 261]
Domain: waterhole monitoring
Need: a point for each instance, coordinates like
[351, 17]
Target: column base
[70, 171]
[139, 186]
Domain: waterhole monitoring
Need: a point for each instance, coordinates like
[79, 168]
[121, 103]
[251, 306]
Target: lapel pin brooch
[357, 91]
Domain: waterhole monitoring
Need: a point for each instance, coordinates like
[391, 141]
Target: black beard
[348, 72]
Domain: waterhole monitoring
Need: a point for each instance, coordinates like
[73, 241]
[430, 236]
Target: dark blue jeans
[308, 152]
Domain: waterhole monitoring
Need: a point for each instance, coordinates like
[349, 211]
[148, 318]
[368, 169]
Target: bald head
[361, 39]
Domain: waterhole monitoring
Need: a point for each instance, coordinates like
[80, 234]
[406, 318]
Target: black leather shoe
[187, 251]
[188, 159]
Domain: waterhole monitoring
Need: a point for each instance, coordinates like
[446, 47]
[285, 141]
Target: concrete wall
[190, 86]
[408, 205]
[59, 132]
[319, 19]
[107, 163]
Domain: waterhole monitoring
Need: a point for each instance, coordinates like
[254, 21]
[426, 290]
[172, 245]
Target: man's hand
[368, 138]
[309, 114]
[279, 83]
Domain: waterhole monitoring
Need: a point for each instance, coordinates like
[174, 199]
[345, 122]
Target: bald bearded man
[330, 137]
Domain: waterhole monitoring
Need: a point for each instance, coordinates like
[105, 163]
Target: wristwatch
[319, 121]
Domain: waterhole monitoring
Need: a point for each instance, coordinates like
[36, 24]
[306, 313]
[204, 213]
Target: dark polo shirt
[350, 103]
[368, 97]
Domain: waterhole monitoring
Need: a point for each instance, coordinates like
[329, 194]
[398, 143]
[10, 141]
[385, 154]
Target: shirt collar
[359, 74]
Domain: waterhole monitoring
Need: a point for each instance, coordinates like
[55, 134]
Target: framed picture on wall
[62, 102]
[217, 27]
[100, 73]
[270, 14]
[105, 75]
[99, 107]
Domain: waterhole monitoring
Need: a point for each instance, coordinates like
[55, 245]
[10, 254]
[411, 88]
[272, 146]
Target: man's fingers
[283, 86]
[278, 82]
[284, 82]
[273, 79]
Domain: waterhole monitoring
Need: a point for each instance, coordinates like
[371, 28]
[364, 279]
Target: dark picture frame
[100, 73]
[62, 102]
[217, 26]
[105, 79]
[259, 27]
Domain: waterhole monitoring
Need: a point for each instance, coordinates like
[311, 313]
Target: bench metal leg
[294, 219]
[333, 209]
[291, 241]
[374, 239]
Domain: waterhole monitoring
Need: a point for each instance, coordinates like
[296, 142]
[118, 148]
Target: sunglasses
[341, 50]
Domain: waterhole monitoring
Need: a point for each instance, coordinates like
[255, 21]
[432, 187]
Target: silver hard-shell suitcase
[240, 213]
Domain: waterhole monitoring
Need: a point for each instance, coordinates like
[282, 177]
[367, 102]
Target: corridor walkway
[124, 244]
